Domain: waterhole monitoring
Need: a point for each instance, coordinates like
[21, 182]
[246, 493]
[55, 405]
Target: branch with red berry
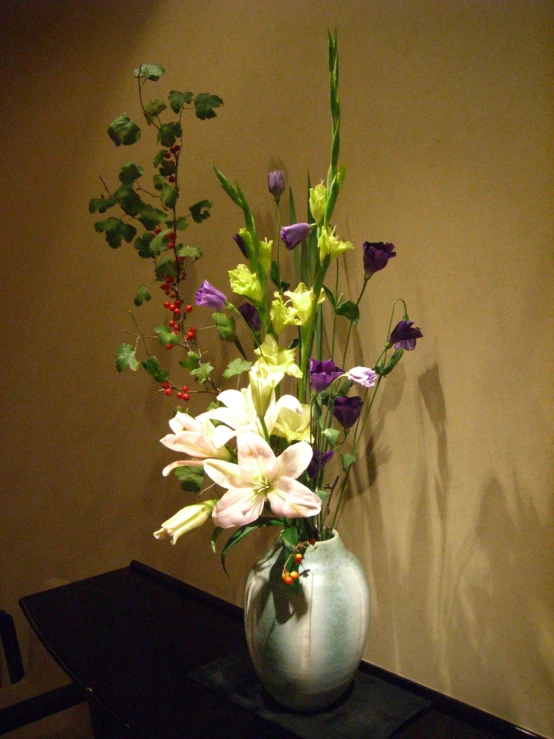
[151, 219]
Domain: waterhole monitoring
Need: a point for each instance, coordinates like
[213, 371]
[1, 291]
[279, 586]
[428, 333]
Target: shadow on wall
[485, 588]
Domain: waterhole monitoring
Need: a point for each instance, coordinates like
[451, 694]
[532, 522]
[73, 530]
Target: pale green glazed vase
[307, 646]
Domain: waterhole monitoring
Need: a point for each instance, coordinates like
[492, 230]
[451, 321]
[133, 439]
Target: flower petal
[182, 463]
[238, 507]
[256, 459]
[295, 459]
[291, 499]
[225, 474]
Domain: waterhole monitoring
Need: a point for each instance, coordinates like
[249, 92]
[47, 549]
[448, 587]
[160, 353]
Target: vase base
[302, 702]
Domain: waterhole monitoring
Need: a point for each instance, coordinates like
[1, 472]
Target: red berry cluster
[182, 394]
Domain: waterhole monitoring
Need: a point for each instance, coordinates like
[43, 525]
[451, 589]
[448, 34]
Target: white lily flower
[260, 475]
[197, 437]
[186, 519]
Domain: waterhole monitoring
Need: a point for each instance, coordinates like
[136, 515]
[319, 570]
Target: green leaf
[165, 336]
[178, 99]
[116, 231]
[152, 366]
[202, 372]
[331, 435]
[189, 251]
[124, 131]
[169, 195]
[200, 211]
[396, 357]
[101, 204]
[290, 538]
[322, 495]
[215, 536]
[191, 478]
[237, 367]
[349, 310]
[167, 167]
[142, 294]
[142, 245]
[149, 71]
[159, 243]
[130, 172]
[158, 180]
[149, 216]
[128, 199]
[225, 326]
[191, 362]
[182, 223]
[158, 159]
[274, 274]
[347, 461]
[166, 266]
[205, 104]
[330, 296]
[169, 133]
[153, 109]
[239, 534]
[126, 357]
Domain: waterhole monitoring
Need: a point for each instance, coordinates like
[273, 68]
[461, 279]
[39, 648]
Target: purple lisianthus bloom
[363, 376]
[210, 296]
[240, 243]
[322, 374]
[319, 461]
[251, 316]
[376, 256]
[404, 335]
[347, 410]
[276, 183]
[291, 236]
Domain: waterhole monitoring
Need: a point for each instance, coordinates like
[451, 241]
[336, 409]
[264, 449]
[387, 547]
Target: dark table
[130, 640]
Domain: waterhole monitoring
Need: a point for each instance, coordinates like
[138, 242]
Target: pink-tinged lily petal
[182, 463]
[256, 459]
[221, 435]
[295, 459]
[183, 422]
[225, 474]
[238, 507]
[291, 499]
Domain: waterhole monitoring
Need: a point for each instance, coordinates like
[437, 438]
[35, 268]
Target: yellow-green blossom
[302, 299]
[318, 202]
[328, 243]
[243, 282]
[293, 426]
[282, 315]
[263, 381]
[264, 254]
[279, 360]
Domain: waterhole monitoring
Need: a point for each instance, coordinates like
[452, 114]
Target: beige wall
[447, 137]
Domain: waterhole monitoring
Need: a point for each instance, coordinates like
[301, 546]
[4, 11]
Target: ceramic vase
[306, 645]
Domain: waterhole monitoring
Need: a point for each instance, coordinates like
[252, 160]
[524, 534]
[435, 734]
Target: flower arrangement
[267, 449]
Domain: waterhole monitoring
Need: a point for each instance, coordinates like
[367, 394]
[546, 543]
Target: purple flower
[404, 335]
[347, 410]
[240, 243]
[276, 183]
[210, 296]
[251, 316]
[322, 374]
[291, 236]
[376, 256]
[363, 376]
[319, 461]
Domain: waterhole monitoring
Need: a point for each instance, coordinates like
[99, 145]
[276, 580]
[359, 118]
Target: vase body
[307, 645]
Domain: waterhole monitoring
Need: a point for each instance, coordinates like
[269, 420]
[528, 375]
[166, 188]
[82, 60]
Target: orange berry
[288, 580]
[298, 557]
[294, 575]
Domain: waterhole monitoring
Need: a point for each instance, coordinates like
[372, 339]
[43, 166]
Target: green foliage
[152, 366]
[396, 357]
[237, 367]
[149, 71]
[142, 245]
[142, 295]
[168, 133]
[332, 436]
[101, 204]
[347, 461]
[165, 336]
[165, 266]
[290, 539]
[225, 326]
[116, 231]
[191, 361]
[191, 478]
[240, 534]
[190, 252]
[200, 211]
[126, 357]
[349, 310]
[179, 99]
[169, 195]
[130, 172]
[153, 109]
[124, 131]
[202, 373]
[205, 104]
